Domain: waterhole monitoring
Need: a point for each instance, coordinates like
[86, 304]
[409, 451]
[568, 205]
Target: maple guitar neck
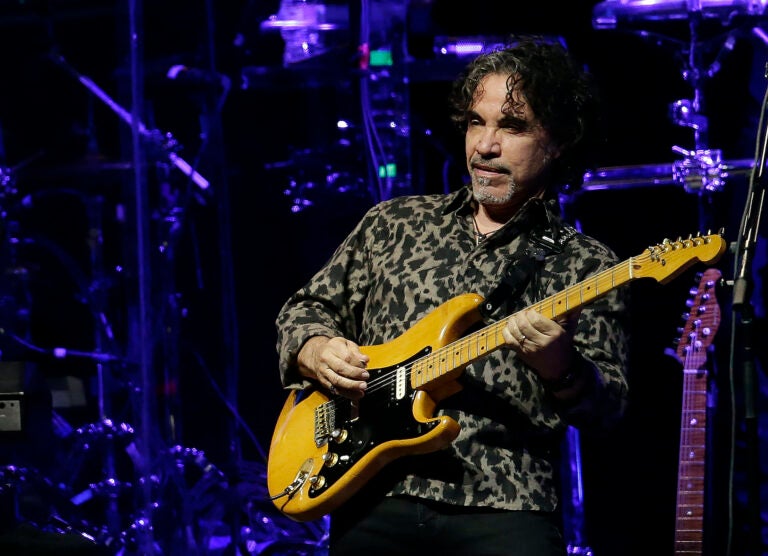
[698, 332]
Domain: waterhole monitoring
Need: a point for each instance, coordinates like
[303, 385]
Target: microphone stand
[162, 142]
[744, 314]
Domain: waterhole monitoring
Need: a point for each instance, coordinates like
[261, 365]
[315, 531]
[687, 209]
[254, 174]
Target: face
[507, 154]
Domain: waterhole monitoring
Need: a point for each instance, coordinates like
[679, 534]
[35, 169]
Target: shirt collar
[460, 201]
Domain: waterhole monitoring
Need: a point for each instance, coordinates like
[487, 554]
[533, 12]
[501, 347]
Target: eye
[474, 121]
[516, 126]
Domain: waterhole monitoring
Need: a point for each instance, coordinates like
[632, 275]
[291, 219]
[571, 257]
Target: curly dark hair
[561, 94]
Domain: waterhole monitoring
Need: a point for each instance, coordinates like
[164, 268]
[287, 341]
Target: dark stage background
[138, 366]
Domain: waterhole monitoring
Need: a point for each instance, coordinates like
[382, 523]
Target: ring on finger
[332, 386]
[523, 338]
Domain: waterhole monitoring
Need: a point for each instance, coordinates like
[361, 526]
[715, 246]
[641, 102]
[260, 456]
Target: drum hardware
[182, 483]
[8, 176]
[190, 496]
[662, 175]
[102, 439]
[56, 509]
[107, 489]
[35, 499]
[163, 143]
[99, 436]
[266, 532]
[106, 429]
[7, 181]
[701, 170]
[168, 491]
[613, 14]
[312, 176]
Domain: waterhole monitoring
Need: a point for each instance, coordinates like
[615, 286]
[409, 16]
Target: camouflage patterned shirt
[409, 255]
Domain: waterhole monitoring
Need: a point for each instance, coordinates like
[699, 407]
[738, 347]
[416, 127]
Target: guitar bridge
[325, 420]
[328, 419]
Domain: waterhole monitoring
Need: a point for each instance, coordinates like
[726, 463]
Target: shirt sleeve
[329, 304]
[601, 343]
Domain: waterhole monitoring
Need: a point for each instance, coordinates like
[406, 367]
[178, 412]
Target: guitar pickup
[400, 383]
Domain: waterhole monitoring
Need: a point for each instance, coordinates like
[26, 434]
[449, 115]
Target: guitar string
[691, 362]
[390, 377]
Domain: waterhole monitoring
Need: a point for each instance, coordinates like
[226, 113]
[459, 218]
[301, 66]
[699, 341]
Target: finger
[338, 384]
[532, 322]
[345, 371]
[512, 333]
[348, 352]
[356, 357]
[329, 378]
[349, 367]
[507, 335]
[516, 329]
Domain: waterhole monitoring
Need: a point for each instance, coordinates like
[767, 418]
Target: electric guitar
[325, 447]
[700, 327]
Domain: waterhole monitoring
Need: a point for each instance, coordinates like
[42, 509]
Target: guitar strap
[518, 272]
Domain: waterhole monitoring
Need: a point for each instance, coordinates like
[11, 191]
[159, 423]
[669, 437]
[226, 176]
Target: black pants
[403, 526]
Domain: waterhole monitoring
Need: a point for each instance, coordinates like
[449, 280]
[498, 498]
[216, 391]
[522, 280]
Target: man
[526, 112]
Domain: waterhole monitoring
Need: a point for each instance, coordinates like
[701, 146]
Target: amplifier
[26, 437]
[10, 411]
[12, 393]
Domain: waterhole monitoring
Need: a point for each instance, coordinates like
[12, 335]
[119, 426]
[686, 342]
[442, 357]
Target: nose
[488, 142]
